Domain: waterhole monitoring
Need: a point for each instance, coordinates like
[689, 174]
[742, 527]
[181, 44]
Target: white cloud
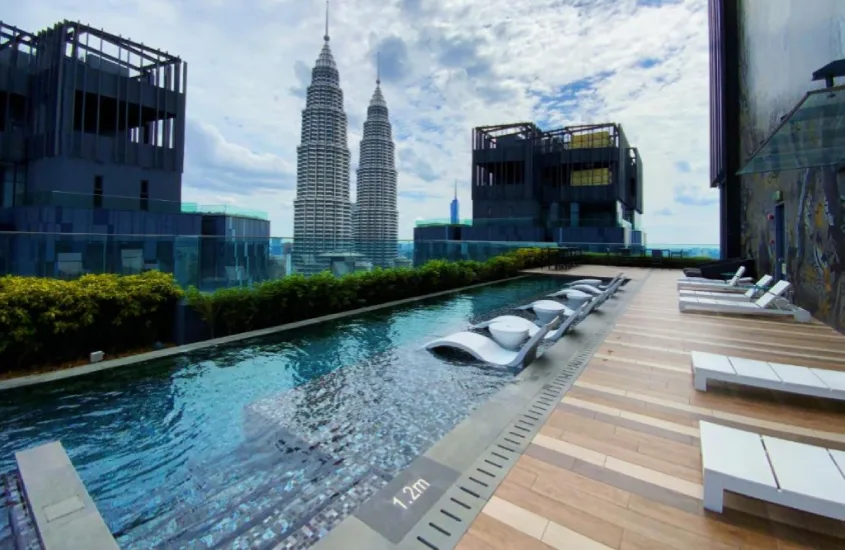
[449, 65]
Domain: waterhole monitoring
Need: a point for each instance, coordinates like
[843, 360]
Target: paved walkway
[618, 463]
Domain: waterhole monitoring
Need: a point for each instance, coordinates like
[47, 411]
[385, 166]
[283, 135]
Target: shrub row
[50, 321]
[295, 297]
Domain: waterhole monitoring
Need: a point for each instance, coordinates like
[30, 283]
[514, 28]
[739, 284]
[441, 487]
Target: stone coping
[65, 516]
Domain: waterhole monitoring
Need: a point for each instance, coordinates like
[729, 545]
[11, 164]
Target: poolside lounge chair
[488, 350]
[548, 310]
[823, 383]
[710, 284]
[739, 273]
[769, 304]
[575, 294]
[738, 293]
[592, 286]
[552, 336]
[796, 475]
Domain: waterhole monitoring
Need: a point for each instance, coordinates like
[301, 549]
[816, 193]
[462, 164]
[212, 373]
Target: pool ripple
[267, 442]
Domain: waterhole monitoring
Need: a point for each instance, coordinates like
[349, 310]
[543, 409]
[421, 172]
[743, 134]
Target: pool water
[268, 441]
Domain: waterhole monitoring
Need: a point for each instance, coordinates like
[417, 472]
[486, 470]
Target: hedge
[296, 297]
[49, 321]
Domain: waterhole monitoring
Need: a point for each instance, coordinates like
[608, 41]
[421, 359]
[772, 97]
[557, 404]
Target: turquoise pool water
[267, 440]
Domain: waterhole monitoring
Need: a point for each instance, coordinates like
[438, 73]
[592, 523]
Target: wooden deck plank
[628, 432]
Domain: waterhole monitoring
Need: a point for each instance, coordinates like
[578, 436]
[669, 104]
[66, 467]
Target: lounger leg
[714, 493]
[699, 379]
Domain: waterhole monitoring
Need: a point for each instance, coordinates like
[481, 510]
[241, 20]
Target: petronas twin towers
[324, 227]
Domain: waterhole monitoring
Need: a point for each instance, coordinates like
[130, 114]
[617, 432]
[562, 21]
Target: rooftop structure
[322, 219]
[92, 140]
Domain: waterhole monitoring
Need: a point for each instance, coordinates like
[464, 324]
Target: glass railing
[210, 263]
[583, 221]
[116, 202]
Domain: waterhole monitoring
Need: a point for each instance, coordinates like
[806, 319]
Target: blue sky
[447, 66]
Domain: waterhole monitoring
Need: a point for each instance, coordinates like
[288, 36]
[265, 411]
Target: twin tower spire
[327, 225]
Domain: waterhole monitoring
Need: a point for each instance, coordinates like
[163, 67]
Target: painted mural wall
[781, 43]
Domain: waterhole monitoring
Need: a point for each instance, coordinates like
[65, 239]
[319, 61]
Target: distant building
[454, 211]
[578, 185]
[376, 223]
[322, 212]
[92, 138]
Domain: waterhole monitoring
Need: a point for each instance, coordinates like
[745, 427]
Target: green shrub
[296, 297]
[49, 321]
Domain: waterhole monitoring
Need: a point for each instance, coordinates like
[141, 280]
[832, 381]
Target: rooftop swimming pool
[267, 441]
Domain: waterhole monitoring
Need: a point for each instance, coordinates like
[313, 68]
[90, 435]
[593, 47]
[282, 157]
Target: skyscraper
[377, 217]
[321, 211]
[454, 213]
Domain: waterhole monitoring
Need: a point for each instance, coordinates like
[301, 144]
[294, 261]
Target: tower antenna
[326, 36]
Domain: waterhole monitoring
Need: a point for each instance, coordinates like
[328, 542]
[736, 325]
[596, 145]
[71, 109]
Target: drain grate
[444, 525]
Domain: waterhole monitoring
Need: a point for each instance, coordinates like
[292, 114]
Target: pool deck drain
[432, 503]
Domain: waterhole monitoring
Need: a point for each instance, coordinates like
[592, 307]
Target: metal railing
[210, 263]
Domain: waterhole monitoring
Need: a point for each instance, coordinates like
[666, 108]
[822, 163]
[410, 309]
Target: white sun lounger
[712, 284]
[739, 273]
[796, 475]
[489, 351]
[547, 310]
[593, 287]
[767, 305]
[738, 293]
[828, 384]
[532, 327]
[575, 294]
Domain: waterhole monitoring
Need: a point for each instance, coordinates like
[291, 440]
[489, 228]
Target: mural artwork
[783, 34]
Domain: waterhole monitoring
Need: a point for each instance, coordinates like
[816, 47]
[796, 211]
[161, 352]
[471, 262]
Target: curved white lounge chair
[532, 327]
[486, 349]
[547, 310]
[573, 294]
[733, 293]
[796, 475]
[593, 286]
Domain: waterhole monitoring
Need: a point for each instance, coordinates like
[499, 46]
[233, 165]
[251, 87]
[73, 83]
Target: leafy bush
[295, 298]
[49, 321]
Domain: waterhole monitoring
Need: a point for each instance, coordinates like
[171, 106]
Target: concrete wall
[781, 43]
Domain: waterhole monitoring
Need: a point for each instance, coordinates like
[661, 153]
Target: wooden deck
[618, 463]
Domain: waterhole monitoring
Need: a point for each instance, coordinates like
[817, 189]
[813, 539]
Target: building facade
[92, 135]
[786, 208]
[575, 185]
[322, 218]
[376, 226]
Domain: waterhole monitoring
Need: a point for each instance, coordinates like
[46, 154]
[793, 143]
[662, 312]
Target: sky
[446, 67]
